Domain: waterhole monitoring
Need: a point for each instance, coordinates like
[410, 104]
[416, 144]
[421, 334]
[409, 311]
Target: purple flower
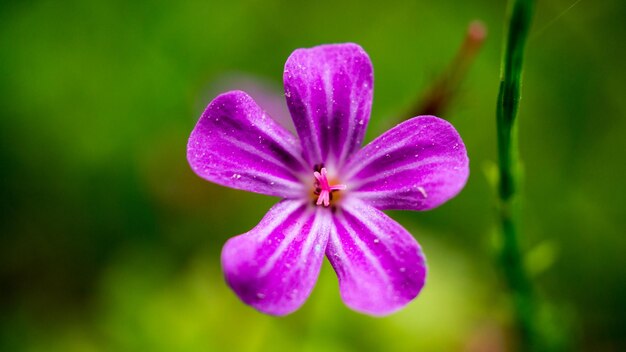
[333, 192]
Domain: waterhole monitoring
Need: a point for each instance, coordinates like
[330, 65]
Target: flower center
[323, 188]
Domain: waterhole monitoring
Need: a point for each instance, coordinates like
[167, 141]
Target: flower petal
[379, 264]
[417, 165]
[264, 92]
[235, 144]
[275, 266]
[329, 94]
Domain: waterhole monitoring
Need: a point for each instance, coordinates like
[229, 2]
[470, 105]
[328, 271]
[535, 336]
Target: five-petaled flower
[334, 192]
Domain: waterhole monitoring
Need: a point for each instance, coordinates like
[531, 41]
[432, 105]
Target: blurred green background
[108, 241]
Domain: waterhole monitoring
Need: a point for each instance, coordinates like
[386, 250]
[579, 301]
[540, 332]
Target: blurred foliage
[109, 241]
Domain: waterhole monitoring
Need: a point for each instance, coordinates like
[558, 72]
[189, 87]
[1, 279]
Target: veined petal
[329, 94]
[417, 165]
[380, 266]
[274, 267]
[237, 145]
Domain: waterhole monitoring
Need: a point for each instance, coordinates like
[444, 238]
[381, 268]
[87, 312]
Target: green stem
[519, 19]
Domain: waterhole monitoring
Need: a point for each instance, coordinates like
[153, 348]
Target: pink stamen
[324, 188]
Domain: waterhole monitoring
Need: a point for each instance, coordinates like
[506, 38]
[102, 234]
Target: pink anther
[323, 188]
